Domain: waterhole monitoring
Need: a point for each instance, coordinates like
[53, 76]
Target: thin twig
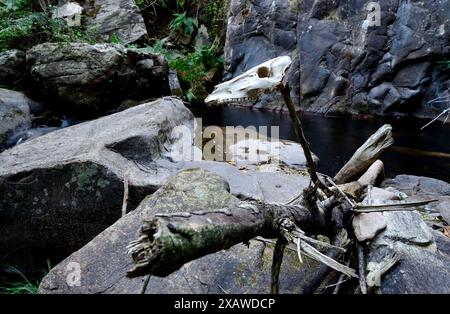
[361, 267]
[278, 252]
[391, 207]
[437, 118]
[144, 287]
[340, 281]
[352, 203]
[125, 194]
[298, 128]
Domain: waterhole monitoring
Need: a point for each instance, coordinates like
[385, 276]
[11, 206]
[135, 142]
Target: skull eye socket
[263, 72]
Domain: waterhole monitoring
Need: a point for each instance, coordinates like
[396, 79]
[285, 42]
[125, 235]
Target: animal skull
[264, 78]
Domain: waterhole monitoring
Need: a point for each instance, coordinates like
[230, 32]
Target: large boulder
[107, 18]
[103, 263]
[90, 79]
[424, 263]
[12, 67]
[348, 64]
[422, 267]
[62, 189]
[415, 186]
[14, 113]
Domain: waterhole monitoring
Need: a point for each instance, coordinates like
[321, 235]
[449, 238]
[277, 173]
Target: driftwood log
[167, 242]
[366, 155]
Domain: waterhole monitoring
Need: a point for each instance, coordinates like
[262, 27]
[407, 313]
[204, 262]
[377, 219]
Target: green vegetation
[24, 286]
[153, 5]
[24, 24]
[21, 26]
[216, 17]
[444, 64]
[183, 23]
[198, 67]
[193, 68]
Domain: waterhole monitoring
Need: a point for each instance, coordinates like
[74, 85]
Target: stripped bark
[370, 177]
[366, 155]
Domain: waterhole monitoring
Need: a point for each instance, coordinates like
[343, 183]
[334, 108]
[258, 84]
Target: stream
[335, 139]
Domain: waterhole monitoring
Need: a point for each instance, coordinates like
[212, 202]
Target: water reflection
[334, 140]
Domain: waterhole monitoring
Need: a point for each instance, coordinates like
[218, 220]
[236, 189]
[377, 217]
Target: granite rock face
[63, 188]
[349, 61]
[423, 253]
[14, 113]
[108, 18]
[12, 67]
[85, 79]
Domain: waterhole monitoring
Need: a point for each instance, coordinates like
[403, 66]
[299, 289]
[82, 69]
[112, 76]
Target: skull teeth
[236, 100]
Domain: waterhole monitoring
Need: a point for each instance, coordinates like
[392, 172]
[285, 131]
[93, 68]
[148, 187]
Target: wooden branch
[366, 155]
[167, 242]
[298, 128]
[126, 187]
[391, 207]
[278, 252]
[361, 267]
[356, 188]
[372, 174]
[341, 240]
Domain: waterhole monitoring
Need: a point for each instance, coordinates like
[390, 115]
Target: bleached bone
[264, 78]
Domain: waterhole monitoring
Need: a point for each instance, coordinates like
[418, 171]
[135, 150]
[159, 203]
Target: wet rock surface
[14, 113]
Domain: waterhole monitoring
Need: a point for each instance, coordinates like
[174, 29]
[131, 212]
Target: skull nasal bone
[263, 72]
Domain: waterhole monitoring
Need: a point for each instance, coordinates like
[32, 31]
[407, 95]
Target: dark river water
[334, 140]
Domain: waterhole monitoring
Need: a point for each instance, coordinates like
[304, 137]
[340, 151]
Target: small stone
[368, 225]
[444, 210]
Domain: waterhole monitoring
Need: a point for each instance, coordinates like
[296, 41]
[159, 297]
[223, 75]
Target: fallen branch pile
[168, 241]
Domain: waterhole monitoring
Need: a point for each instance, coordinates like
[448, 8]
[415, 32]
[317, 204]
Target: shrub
[21, 27]
[183, 23]
[195, 67]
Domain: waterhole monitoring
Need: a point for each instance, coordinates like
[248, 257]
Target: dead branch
[372, 174]
[391, 207]
[298, 128]
[125, 194]
[361, 267]
[366, 155]
[278, 252]
[167, 242]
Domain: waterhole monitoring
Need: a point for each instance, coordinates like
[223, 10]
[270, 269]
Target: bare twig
[391, 207]
[298, 128]
[278, 252]
[145, 285]
[446, 111]
[361, 267]
[290, 232]
[125, 194]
